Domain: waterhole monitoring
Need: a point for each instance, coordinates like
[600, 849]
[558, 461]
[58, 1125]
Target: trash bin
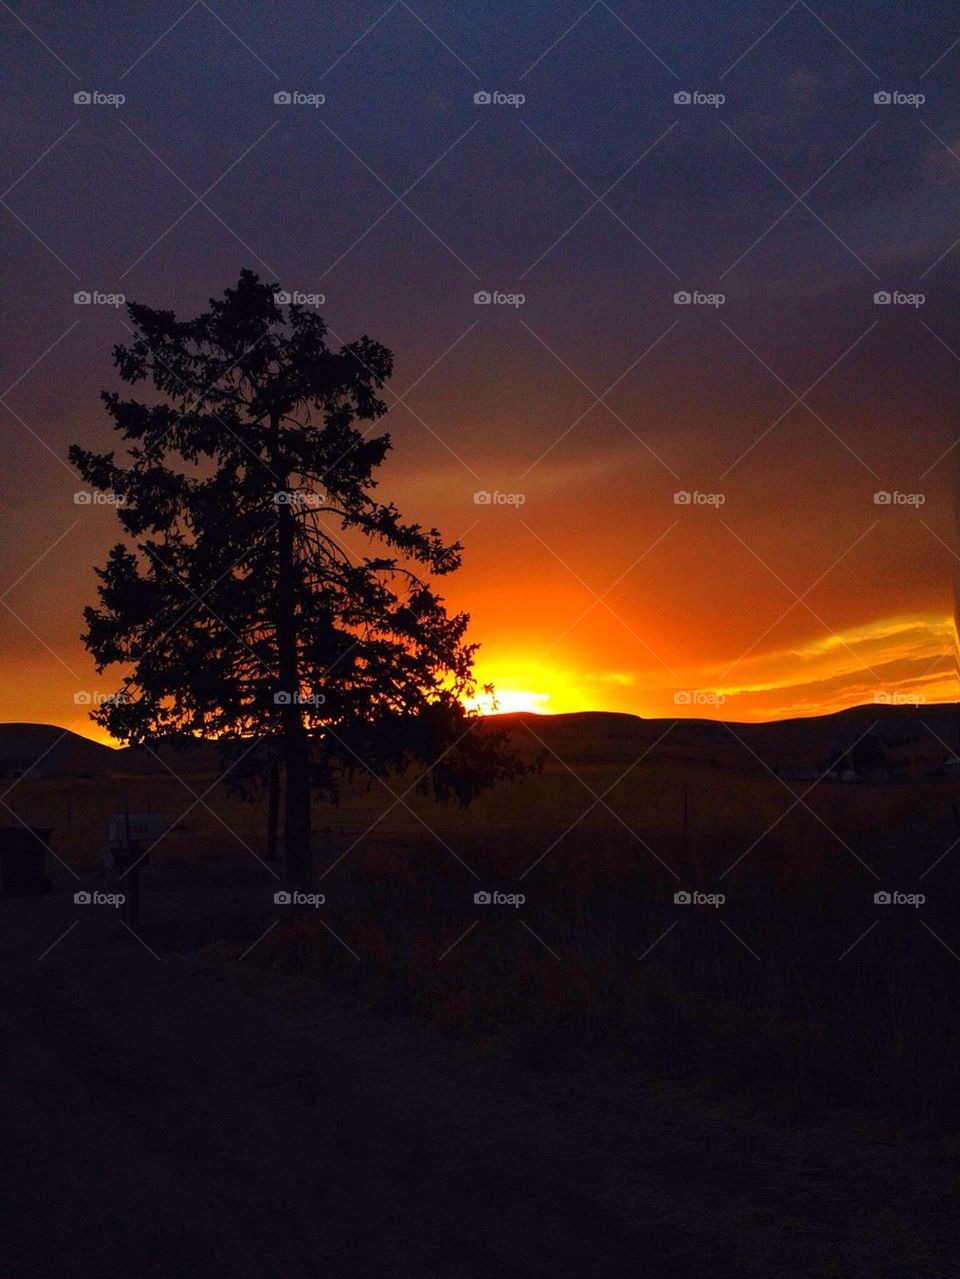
[23, 860]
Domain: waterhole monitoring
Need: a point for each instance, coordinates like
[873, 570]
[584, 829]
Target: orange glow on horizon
[900, 659]
[888, 661]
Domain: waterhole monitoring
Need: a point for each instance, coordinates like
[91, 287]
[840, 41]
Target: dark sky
[797, 199]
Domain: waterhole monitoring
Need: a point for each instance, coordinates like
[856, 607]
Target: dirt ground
[190, 1114]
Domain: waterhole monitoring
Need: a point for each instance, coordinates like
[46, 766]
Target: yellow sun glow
[523, 683]
[508, 700]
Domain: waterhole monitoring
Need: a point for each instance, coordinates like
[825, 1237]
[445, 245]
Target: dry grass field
[780, 983]
[624, 1053]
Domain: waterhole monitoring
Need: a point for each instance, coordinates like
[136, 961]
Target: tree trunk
[273, 810]
[296, 747]
[296, 827]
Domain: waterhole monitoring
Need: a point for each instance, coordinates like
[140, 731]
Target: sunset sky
[782, 587]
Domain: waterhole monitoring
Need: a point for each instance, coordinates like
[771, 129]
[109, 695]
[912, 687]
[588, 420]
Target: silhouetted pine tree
[243, 611]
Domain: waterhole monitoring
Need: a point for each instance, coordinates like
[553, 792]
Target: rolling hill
[908, 737]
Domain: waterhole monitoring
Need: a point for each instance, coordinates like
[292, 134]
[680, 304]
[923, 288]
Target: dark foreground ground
[189, 1113]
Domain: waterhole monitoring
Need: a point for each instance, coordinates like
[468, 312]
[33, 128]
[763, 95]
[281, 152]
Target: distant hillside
[45, 751]
[895, 740]
[903, 737]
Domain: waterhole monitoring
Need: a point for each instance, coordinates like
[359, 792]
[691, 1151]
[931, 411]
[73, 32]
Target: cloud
[912, 653]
